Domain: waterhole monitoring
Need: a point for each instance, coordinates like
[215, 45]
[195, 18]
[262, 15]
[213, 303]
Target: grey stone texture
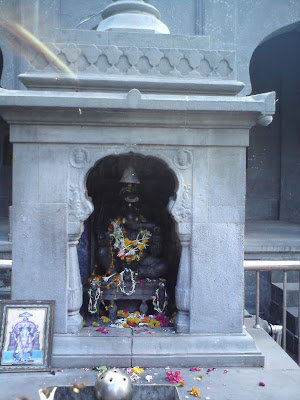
[162, 347]
[227, 25]
[212, 242]
[39, 254]
[143, 104]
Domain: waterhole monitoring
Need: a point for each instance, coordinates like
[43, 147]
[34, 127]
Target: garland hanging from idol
[126, 250]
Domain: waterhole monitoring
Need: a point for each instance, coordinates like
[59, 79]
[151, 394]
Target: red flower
[174, 377]
[102, 330]
[163, 320]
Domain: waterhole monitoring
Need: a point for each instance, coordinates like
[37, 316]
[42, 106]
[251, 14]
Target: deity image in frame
[26, 335]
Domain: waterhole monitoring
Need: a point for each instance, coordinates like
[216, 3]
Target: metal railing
[283, 266]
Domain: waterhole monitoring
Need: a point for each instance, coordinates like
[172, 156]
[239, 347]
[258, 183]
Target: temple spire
[132, 15]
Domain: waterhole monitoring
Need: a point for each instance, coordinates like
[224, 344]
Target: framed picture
[26, 335]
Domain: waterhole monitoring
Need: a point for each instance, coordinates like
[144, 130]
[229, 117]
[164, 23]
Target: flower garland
[92, 308]
[128, 250]
[121, 285]
[155, 301]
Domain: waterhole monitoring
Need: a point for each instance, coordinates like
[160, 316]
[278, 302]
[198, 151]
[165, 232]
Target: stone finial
[132, 15]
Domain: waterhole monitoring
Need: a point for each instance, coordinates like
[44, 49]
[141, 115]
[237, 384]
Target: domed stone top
[132, 15]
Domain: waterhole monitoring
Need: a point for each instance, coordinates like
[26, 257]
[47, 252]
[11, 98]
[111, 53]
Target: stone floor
[281, 376]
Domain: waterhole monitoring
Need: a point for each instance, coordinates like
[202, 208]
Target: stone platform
[281, 376]
[153, 348]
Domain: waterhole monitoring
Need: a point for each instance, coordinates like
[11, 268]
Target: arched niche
[273, 188]
[158, 188]
[177, 165]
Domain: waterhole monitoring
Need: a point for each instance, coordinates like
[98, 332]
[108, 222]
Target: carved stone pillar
[80, 208]
[74, 286]
[182, 291]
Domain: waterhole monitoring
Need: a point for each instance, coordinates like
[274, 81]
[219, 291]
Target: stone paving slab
[281, 376]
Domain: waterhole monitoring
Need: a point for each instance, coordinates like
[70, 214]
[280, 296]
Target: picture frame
[26, 335]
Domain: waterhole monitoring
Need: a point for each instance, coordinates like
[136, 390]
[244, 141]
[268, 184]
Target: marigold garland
[128, 250]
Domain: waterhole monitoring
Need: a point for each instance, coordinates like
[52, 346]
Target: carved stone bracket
[80, 206]
[183, 210]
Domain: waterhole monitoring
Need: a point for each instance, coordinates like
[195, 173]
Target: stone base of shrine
[160, 347]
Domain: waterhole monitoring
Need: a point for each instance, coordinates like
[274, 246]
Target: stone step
[292, 295]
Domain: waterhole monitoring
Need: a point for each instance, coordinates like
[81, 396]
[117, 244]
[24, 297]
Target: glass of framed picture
[26, 335]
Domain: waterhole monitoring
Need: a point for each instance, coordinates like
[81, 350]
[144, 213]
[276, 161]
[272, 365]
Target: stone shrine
[143, 94]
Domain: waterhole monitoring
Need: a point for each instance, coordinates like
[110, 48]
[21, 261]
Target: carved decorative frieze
[119, 60]
[183, 159]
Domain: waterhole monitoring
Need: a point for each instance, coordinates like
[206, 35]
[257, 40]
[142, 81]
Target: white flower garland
[155, 301]
[120, 245]
[92, 308]
[133, 282]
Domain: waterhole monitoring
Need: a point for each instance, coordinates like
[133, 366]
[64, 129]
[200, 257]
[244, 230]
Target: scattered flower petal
[102, 368]
[207, 398]
[148, 378]
[194, 392]
[225, 371]
[262, 384]
[174, 377]
[75, 390]
[208, 388]
[134, 377]
[59, 370]
[195, 369]
[102, 330]
[198, 378]
[137, 370]
[52, 372]
[95, 324]
[209, 370]
[129, 370]
[180, 384]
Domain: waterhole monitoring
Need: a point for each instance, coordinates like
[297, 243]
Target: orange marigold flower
[140, 247]
[134, 243]
[127, 242]
[195, 392]
[145, 320]
[154, 323]
[145, 241]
